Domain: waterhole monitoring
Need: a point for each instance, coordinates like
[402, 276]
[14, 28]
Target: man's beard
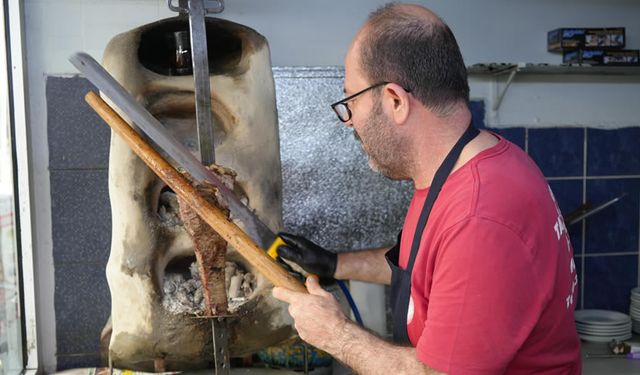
[387, 153]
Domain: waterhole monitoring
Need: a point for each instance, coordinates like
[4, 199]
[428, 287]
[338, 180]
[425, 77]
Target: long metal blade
[95, 73]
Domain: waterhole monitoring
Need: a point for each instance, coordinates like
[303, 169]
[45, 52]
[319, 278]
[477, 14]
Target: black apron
[400, 278]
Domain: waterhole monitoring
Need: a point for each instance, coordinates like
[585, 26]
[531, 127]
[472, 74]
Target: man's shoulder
[502, 185]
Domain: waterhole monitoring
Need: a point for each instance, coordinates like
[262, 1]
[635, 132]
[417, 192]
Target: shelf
[528, 68]
[509, 69]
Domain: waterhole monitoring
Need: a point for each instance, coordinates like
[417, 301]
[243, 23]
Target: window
[10, 313]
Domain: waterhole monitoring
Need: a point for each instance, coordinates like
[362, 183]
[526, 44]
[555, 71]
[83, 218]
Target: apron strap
[438, 181]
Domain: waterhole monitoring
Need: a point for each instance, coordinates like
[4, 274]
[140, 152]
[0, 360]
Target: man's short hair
[420, 55]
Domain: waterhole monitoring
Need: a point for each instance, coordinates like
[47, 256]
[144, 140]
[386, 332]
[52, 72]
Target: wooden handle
[240, 241]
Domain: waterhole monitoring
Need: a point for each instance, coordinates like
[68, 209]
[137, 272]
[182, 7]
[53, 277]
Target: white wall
[312, 32]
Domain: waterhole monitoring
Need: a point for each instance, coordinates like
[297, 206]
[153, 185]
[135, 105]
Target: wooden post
[240, 241]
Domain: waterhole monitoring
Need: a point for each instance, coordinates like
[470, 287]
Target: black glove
[308, 255]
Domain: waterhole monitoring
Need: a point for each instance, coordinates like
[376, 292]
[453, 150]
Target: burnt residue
[167, 105]
[136, 260]
[227, 44]
[176, 350]
[255, 334]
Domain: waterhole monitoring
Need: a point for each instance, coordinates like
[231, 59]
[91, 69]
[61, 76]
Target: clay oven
[153, 283]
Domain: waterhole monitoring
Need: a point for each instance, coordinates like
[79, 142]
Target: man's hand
[317, 315]
[320, 322]
[308, 255]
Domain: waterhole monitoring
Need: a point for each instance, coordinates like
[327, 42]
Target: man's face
[371, 125]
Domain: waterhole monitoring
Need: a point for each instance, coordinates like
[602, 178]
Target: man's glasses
[342, 109]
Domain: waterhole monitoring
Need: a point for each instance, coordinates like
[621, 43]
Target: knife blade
[179, 154]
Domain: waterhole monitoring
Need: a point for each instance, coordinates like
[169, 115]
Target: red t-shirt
[494, 285]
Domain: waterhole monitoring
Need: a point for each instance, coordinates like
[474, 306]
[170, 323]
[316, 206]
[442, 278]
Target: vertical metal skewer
[200, 61]
[204, 120]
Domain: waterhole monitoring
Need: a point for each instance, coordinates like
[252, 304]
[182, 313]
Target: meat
[210, 249]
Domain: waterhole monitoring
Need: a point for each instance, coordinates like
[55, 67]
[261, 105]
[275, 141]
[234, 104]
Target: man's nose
[349, 123]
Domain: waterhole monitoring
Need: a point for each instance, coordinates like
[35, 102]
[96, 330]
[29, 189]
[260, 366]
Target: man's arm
[366, 353]
[320, 322]
[367, 265]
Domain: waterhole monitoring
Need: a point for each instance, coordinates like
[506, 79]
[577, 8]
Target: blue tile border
[609, 280]
[613, 152]
[477, 113]
[77, 137]
[82, 306]
[557, 151]
[568, 194]
[516, 136]
[578, 261]
[615, 228]
[80, 216]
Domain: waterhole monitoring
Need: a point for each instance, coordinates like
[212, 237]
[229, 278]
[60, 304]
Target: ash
[168, 209]
[183, 295]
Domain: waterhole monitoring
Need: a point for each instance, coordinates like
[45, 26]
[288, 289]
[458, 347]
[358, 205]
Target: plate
[622, 327]
[596, 331]
[605, 338]
[602, 333]
[601, 317]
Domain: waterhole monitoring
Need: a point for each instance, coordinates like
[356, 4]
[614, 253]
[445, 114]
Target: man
[483, 279]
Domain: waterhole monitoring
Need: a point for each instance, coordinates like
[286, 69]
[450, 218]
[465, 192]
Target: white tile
[63, 18]
[102, 20]
[119, 16]
[33, 18]
[56, 52]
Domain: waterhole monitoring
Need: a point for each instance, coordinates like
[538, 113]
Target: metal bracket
[499, 94]
[210, 6]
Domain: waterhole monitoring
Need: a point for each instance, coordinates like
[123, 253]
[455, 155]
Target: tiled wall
[586, 164]
[580, 163]
[80, 221]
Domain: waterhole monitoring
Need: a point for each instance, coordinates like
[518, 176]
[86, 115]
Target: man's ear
[396, 103]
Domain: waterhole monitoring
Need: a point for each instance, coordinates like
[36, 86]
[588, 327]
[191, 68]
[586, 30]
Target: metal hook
[210, 6]
[214, 6]
[182, 7]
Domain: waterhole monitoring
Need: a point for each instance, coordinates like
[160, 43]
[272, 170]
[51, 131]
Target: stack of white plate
[634, 309]
[603, 325]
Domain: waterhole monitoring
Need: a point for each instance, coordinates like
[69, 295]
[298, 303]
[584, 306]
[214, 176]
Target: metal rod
[219, 333]
[200, 60]
[596, 209]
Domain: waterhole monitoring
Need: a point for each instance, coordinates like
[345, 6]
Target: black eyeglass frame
[349, 98]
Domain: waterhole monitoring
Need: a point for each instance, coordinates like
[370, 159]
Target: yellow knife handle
[273, 249]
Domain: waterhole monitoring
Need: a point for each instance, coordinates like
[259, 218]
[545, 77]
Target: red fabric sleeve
[484, 300]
